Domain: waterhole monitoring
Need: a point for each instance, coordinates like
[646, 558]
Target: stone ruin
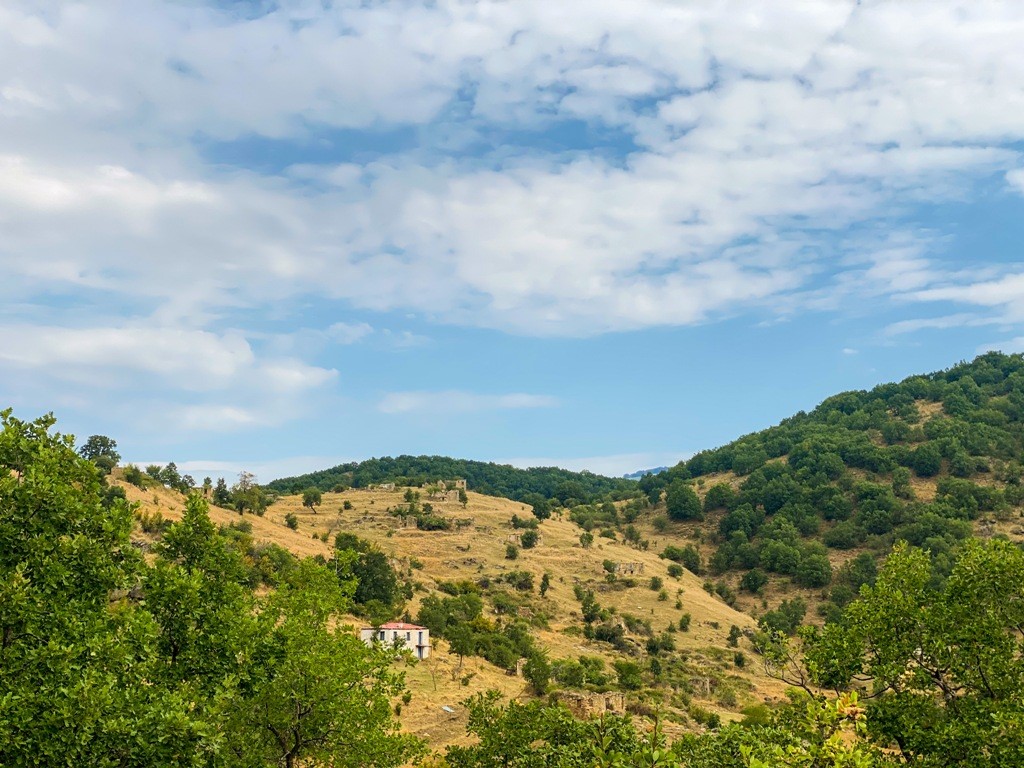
[586, 706]
[629, 569]
[447, 490]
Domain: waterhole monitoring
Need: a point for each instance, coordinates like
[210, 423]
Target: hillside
[488, 478]
[805, 507]
[700, 676]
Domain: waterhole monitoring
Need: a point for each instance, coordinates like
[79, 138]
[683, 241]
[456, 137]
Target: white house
[411, 636]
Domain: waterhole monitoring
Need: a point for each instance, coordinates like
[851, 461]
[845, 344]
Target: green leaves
[106, 660]
[944, 659]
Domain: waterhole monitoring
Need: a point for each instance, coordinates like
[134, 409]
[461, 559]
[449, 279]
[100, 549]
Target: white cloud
[171, 380]
[190, 359]
[349, 333]
[851, 113]
[1003, 295]
[958, 320]
[1016, 179]
[734, 140]
[453, 401]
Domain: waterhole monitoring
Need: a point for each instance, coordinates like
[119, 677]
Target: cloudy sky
[603, 234]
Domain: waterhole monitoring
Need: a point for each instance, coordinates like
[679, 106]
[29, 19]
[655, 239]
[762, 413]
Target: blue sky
[276, 236]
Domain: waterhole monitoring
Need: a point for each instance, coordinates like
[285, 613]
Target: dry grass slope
[478, 550]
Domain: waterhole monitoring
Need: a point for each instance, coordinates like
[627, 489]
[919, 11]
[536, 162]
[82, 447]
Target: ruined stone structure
[586, 705]
[447, 490]
[629, 569]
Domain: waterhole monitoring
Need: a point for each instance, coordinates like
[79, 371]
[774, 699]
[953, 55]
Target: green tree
[247, 495]
[537, 672]
[221, 494]
[682, 502]
[319, 696]
[77, 658]
[312, 498]
[533, 735]
[100, 446]
[944, 658]
[461, 641]
[629, 674]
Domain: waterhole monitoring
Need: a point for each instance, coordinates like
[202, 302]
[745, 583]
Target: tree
[927, 460]
[461, 641]
[221, 494]
[541, 507]
[943, 658]
[106, 660]
[629, 674]
[528, 539]
[77, 667]
[247, 495]
[311, 497]
[545, 584]
[533, 735]
[682, 502]
[537, 672]
[100, 446]
[134, 475]
[321, 696]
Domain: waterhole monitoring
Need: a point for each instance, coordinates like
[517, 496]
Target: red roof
[397, 625]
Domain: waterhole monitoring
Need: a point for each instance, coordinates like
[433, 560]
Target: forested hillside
[552, 483]
[929, 460]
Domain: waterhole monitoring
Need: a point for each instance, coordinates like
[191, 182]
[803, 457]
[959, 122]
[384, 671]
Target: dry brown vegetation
[478, 550]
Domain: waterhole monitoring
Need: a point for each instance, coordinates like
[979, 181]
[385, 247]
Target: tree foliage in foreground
[806, 733]
[108, 661]
[943, 659]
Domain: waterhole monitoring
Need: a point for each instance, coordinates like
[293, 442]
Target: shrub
[291, 521]
[511, 552]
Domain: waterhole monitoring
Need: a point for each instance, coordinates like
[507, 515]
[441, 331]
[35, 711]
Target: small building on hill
[398, 633]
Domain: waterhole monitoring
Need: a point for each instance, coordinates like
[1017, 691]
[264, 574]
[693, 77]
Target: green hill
[488, 478]
[928, 460]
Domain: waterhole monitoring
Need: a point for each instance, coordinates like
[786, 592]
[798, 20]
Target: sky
[276, 236]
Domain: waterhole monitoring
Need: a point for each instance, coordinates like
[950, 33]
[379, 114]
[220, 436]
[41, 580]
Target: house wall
[416, 640]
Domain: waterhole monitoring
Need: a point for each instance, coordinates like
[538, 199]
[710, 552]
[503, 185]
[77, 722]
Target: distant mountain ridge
[483, 477]
[641, 472]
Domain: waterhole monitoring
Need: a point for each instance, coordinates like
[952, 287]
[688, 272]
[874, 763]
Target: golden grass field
[479, 550]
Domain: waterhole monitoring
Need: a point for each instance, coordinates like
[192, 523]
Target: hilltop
[488, 478]
[805, 508]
